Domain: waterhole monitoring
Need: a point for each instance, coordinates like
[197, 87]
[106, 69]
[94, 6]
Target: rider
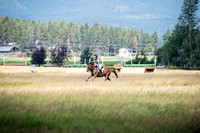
[99, 65]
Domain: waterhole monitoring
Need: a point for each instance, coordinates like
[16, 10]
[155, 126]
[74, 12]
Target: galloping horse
[95, 73]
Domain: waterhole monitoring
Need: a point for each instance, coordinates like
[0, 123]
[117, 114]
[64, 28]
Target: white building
[126, 52]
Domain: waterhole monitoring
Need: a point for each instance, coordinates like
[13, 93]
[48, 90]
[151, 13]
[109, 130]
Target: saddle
[101, 74]
[102, 69]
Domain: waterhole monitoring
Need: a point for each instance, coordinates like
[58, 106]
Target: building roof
[6, 48]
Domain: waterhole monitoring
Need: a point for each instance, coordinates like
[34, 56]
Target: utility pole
[68, 47]
[74, 48]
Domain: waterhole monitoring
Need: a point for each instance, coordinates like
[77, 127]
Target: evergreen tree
[117, 37]
[86, 55]
[182, 46]
[72, 32]
[50, 33]
[154, 40]
[43, 34]
[96, 35]
[112, 36]
[4, 30]
[189, 22]
[125, 38]
[87, 28]
[166, 36]
[83, 35]
[105, 38]
[148, 49]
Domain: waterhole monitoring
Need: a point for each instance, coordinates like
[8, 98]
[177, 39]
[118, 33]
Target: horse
[95, 73]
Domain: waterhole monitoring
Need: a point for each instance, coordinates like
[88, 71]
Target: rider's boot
[100, 72]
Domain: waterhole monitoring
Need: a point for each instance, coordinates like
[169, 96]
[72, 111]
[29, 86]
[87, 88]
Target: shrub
[58, 55]
[77, 65]
[143, 60]
[139, 65]
[38, 56]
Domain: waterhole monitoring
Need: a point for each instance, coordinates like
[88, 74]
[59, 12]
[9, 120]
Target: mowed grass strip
[59, 102]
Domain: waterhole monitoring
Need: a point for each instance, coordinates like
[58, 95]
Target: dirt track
[27, 69]
[19, 69]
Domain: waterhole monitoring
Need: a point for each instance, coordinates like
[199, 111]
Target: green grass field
[166, 101]
[108, 60]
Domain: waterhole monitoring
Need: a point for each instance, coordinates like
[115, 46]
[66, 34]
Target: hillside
[151, 15]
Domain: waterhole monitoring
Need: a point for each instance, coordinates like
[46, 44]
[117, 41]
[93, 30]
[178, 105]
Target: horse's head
[89, 67]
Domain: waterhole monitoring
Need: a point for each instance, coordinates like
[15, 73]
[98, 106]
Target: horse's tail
[113, 70]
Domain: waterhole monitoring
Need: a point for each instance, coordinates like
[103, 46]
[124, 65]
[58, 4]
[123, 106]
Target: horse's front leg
[88, 78]
[94, 76]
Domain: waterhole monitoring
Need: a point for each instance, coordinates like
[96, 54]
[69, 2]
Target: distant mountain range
[149, 15]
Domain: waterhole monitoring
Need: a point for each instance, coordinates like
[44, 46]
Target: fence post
[102, 59]
[155, 60]
[131, 58]
[74, 60]
[4, 62]
[25, 60]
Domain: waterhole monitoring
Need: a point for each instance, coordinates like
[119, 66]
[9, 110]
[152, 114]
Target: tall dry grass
[166, 101]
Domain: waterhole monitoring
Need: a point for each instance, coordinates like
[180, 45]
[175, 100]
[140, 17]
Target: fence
[11, 54]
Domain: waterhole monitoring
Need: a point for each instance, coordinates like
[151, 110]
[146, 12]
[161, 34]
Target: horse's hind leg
[106, 77]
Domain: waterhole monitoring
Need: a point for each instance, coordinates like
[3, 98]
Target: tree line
[98, 37]
[181, 46]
